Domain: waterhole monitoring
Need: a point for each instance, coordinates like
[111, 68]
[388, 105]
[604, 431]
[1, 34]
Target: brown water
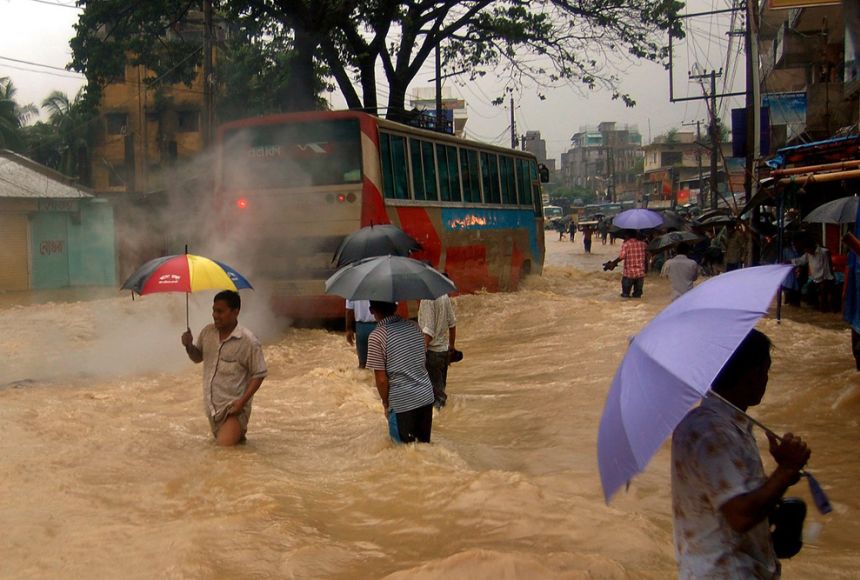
[107, 469]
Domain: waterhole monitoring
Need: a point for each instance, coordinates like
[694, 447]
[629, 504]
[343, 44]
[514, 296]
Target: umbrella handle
[815, 490]
[187, 323]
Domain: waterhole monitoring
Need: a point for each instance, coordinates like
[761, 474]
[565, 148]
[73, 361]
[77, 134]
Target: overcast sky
[38, 31]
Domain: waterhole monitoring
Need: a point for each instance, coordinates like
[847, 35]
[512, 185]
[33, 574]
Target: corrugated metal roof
[23, 178]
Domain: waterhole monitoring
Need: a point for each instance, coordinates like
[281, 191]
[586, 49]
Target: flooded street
[108, 469]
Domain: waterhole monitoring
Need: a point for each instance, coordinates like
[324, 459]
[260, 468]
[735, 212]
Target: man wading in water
[233, 368]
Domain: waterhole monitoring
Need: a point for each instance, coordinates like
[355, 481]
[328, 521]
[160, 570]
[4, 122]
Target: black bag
[786, 525]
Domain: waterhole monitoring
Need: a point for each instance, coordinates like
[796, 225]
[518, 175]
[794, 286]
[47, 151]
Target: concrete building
[810, 69]
[604, 160]
[53, 233]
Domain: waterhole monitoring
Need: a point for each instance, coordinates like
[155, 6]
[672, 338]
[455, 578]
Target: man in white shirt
[359, 324]
[681, 271]
[439, 325]
[820, 273]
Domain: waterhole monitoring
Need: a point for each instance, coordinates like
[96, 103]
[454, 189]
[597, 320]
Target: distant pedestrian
[603, 228]
[817, 258]
[439, 326]
[395, 352]
[736, 247]
[586, 238]
[681, 271]
[571, 230]
[360, 322]
[634, 254]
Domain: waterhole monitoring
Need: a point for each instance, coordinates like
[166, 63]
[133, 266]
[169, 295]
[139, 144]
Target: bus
[290, 187]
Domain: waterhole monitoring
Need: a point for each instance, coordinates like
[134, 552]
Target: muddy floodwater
[108, 470]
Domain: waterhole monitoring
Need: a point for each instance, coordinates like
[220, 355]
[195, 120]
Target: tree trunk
[302, 96]
[397, 101]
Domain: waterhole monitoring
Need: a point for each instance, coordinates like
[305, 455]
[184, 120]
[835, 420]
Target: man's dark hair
[383, 308]
[231, 297]
[683, 248]
[753, 351]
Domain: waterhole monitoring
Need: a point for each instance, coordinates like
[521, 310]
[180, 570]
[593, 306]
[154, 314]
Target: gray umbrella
[388, 279]
[838, 211]
[374, 240]
[666, 241]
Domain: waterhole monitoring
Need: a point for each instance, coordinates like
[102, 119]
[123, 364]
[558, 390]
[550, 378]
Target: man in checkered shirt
[634, 254]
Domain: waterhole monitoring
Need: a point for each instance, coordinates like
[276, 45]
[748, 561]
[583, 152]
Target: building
[604, 160]
[53, 233]
[810, 69]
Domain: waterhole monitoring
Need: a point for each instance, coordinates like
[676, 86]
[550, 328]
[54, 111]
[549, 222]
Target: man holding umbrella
[396, 353]
[233, 368]
[721, 497]
[634, 254]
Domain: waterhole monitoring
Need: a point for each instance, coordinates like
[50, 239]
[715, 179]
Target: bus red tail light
[341, 198]
[242, 203]
[351, 198]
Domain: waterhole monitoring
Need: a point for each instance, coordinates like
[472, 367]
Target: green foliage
[13, 116]
[277, 50]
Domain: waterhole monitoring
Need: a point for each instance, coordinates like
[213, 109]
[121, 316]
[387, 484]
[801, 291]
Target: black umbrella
[716, 220]
[666, 241]
[672, 221]
[370, 241]
[838, 211]
[388, 279]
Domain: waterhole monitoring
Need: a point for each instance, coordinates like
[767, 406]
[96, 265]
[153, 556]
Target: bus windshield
[551, 211]
[290, 155]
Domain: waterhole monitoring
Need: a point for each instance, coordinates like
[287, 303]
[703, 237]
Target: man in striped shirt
[396, 352]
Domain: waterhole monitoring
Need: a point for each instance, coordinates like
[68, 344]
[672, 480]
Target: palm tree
[12, 116]
[71, 122]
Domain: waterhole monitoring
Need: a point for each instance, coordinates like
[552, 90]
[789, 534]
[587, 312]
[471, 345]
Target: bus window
[509, 186]
[392, 149]
[471, 176]
[449, 174]
[291, 155]
[536, 198]
[524, 184]
[423, 170]
[490, 177]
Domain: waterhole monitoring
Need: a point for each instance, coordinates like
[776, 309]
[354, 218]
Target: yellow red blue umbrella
[184, 273]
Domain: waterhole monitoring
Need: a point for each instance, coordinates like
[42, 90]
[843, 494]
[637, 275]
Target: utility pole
[753, 106]
[715, 140]
[438, 89]
[513, 127]
[700, 198]
[208, 100]
[714, 133]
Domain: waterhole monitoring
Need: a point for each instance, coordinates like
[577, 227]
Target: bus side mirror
[543, 170]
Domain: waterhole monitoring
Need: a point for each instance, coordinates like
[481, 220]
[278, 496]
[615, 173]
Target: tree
[13, 117]
[538, 42]
[71, 120]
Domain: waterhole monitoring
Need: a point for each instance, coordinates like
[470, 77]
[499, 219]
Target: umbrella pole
[187, 323]
[779, 249]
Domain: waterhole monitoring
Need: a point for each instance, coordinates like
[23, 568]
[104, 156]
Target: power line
[31, 63]
[57, 4]
[41, 72]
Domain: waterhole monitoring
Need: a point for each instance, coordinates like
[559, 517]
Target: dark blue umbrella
[374, 240]
[388, 279]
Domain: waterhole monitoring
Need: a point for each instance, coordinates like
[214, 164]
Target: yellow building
[143, 132]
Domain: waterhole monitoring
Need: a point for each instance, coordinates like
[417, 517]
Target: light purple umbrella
[638, 219]
[670, 364]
